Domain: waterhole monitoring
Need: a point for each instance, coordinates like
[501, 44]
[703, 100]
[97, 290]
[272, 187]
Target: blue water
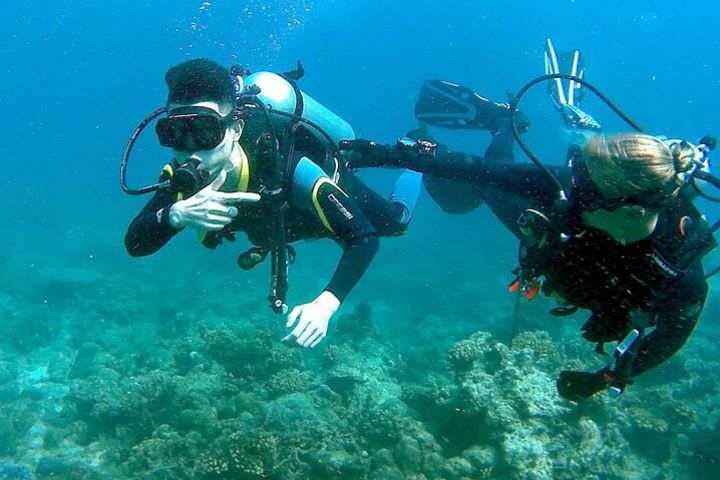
[76, 79]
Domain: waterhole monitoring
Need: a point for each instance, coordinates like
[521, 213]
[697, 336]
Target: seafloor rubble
[199, 396]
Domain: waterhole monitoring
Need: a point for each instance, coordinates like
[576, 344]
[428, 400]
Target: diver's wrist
[330, 299]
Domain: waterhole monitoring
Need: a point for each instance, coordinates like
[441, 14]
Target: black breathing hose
[514, 108]
[128, 149]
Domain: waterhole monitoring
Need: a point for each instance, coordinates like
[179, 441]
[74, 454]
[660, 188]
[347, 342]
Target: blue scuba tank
[281, 95]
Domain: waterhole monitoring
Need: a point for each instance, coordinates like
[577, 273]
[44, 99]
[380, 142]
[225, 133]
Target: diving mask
[192, 129]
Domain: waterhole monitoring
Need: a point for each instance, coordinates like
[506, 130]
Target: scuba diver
[614, 231]
[253, 153]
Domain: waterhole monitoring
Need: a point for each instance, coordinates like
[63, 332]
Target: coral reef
[226, 400]
[14, 472]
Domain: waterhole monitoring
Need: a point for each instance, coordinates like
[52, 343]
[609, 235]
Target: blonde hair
[633, 164]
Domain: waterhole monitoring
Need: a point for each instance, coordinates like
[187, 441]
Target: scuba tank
[289, 119]
[280, 94]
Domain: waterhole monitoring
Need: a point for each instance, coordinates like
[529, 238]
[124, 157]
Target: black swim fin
[450, 105]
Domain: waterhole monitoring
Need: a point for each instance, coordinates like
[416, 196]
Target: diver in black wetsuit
[222, 162]
[627, 245]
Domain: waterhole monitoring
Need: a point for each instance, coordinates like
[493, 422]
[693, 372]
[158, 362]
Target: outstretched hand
[209, 209]
[311, 320]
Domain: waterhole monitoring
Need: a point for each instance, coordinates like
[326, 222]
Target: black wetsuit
[658, 280]
[347, 211]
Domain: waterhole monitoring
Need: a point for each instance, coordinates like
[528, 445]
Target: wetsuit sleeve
[151, 228]
[495, 171]
[313, 190]
[677, 317]
[524, 180]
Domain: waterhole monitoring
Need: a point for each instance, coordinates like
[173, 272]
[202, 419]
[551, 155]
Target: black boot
[577, 386]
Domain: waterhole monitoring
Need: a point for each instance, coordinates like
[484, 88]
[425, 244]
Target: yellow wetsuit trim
[316, 203]
[244, 180]
[168, 169]
[242, 185]
[543, 240]
[171, 172]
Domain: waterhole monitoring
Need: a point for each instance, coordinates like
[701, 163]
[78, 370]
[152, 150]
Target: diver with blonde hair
[623, 240]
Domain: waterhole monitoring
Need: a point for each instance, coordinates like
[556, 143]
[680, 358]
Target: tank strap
[299, 100]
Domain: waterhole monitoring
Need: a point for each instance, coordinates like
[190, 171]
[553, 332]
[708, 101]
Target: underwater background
[170, 366]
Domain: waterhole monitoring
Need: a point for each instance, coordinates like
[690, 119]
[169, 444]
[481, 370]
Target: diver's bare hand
[209, 209]
[311, 320]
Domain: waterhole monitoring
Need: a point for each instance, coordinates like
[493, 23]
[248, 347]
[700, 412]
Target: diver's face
[626, 223]
[215, 159]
